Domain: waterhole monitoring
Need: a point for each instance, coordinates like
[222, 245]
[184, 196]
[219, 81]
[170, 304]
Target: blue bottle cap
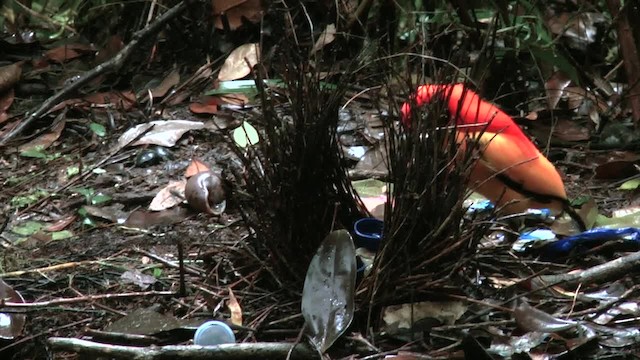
[214, 333]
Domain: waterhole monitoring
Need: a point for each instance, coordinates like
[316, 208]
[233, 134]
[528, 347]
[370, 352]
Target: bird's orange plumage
[511, 168]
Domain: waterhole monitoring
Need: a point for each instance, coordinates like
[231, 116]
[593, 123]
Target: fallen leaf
[245, 135]
[206, 105]
[137, 278]
[112, 47]
[568, 130]
[235, 11]
[235, 309]
[45, 139]
[164, 132]
[142, 219]
[68, 52]
[529, 318]
[167, 83]
[9, 76]
[6, 99]
[326, 37]
[123, 100]
[329, 289]
[62, 223]
[196, 166]
[555, 86]
[235, 99]
[169, 196]
[240, 62]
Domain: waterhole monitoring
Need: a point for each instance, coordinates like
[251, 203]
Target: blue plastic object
[590, 239]
[368, 233]
[213, 333]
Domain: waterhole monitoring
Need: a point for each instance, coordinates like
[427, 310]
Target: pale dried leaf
[167, 83]
[240, 62]
[164, 132]
[235, 309]
[327, 37]
[9, 76]
[170, 196]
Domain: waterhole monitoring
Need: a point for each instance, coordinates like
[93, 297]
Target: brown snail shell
[204, 192]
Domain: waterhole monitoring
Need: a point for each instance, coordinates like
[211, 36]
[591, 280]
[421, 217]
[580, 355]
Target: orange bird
[511, 171]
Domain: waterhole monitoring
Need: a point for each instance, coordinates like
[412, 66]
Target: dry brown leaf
[68, 52]
[240, 62]
[568, 130]
[46, 139]
[327, 37]
[170, 196]
[235, 99]
[196, 166]
[9, 76]
[6, 99]
[167, 83]
[205, 105]
[235, 309]
[111, 48]
[555, 86]
[62, 223]
[123, 100]
[235, 11]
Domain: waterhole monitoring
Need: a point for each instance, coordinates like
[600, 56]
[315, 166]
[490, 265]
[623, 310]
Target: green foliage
[28, 199]
[91, 196]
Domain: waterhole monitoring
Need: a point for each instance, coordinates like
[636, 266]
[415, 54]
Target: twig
[87, 298]
[609, 270]
[111, 65]
[50, 268]
[192, 352]
[189, 269]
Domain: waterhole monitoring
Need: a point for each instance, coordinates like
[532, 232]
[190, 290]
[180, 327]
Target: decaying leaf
[327, 37]
[329, 287]
[137, 278]
[164, 132]
[47, 138]
[196, 166]
[234, 309]
[240, 62]
[235, 11]
[9, 76]
[170, 196]
[167, 83]
[398, 317]
[531, 319]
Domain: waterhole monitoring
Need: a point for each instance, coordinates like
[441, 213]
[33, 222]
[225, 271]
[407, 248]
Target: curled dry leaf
[204, 192]
[196, 166]
[327, 37]
[240, 62]
[9, 76]
[164, 132]
[167, 83]
[235, 11]
[234, 309]
[170, 196]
